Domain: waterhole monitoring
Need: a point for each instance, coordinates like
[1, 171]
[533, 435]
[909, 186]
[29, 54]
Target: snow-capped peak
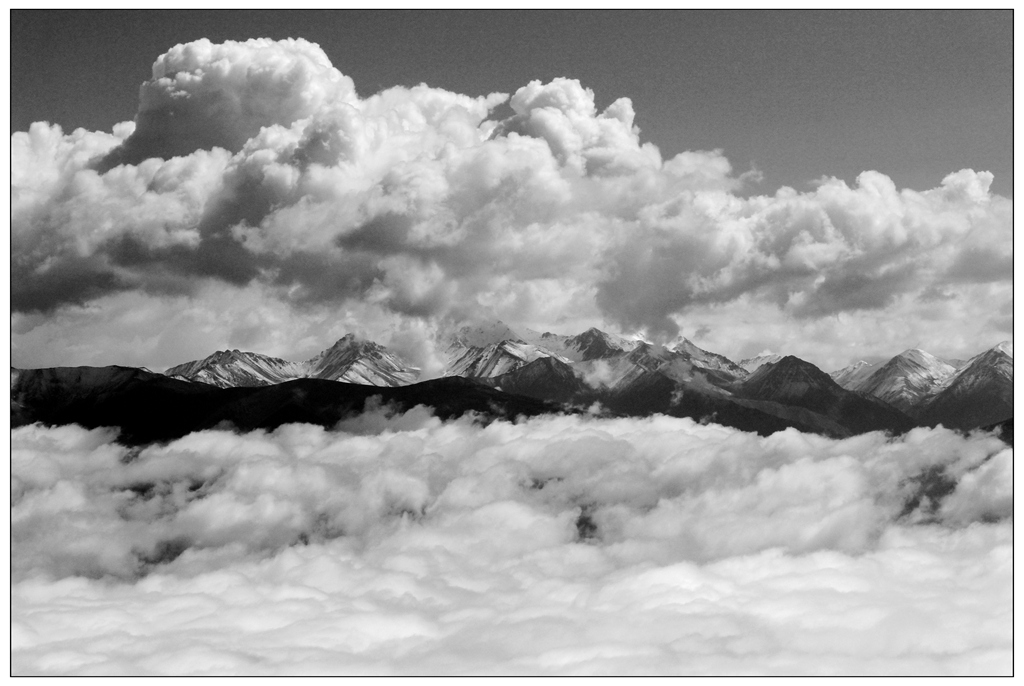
[482, 334]
[497, 359]
[227, 368]
[853, 377]
[751, 364]
[350, 359]
[905, 379]
[859, 364]
[349, 343]
[706, 359]
[355, 360]
[589, 345]
[918, 356]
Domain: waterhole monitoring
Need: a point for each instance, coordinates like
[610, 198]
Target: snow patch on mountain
[355, 361]
[497, 359]
[906, 379]
[590, 345]
[349, 360]
[706, 359]
[911, 381]
[752, 364]
[978, 394]
[233, 368]
[480, 335]
[853, 376]
[998, 358]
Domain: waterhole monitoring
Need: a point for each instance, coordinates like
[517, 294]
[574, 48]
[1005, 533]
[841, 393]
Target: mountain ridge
[906, 379]
[912, 388]
[350, 359]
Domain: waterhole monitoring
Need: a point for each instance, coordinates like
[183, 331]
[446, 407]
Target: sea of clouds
[401, 544]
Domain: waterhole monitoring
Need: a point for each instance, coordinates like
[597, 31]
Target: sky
[831, 185]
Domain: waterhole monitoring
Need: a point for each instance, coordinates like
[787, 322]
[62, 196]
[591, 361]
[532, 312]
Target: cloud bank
[255, 169]
[399, 544]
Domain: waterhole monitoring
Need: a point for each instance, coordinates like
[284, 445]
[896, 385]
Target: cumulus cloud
[257, 165]
[562, 113]
[398, 543]
[203, 96]
[833, 250]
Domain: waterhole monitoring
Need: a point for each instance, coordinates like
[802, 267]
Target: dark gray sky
[799, 95]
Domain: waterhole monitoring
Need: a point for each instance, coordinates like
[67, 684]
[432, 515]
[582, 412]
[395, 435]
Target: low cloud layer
[258, 167]
[560, 545]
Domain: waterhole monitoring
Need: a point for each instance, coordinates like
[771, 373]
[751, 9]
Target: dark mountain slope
[151, 407]
[654, 392]
[980, 394]
[792, 381]
[594, 344]
[545, 378]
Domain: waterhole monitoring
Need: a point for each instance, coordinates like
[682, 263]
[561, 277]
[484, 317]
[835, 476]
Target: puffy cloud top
[563, 114]
[204, 95]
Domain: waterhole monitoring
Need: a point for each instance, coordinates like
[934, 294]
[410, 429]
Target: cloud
[401, 544]
[837, 249]
[983, 494]
[203, 96]
[562, 113]
[257, 165]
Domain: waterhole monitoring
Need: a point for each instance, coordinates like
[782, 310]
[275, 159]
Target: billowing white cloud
[834, 250]
[559, 545]
[562, 113]
[257, 165]
[203, 96]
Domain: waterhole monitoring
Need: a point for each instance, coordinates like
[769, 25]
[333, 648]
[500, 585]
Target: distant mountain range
[954, 393]
[349, 360]
[495, 371]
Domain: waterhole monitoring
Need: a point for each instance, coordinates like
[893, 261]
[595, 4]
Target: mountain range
[350, 360]
[502, 372]
[955, 393]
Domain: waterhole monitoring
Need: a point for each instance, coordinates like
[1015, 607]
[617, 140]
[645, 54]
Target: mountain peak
[224, 357]
[979, 393]
[853, 377]
[592, 334]
[752, 364]
[918, 356]
[917, 360]
[595, 344]
[351, 341]
[235, 368]
[905, 379]
[485, 333]
[787, 378]
[789, 369]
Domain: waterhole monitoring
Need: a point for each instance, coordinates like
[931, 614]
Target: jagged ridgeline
[496, 372]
